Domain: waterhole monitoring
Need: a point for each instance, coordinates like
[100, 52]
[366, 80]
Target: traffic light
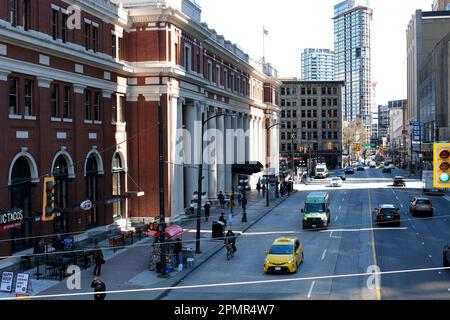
[49, 199]
[441, 165]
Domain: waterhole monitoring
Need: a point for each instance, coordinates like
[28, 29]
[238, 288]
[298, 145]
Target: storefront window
[61, 174]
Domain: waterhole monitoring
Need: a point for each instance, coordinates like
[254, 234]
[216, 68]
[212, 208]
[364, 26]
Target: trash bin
[217, 230]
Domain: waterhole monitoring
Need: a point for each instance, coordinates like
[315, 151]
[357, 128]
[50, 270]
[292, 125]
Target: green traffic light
[444, 177]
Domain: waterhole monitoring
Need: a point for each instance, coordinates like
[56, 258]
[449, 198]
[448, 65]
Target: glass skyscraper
[352, 20]
[317, 65]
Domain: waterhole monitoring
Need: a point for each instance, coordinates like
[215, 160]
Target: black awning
[248, 168]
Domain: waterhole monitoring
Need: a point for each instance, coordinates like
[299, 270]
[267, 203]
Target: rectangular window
[309, 113]
[121, 109]
[187, 58]
[303, 103]
[303, 135]
[283, 114]
[314, 113]
[218, 76]
[13, 12]
[55, 14]
[225, 76]
[97, 111]
[67, 100]
[95, 39]
[303, 91]
[335, 135]
[303, 124]
[119, 49]
[324, 114]
[54, 89]
[114, 48]
[294, 114]
[114, 108]
[64, 29]
[87, 36]
[87, 105]
[288, 114]
[26, 14]
[28, 97]
[209, 71]
[303, 113]
[324, 135]
[13, 96]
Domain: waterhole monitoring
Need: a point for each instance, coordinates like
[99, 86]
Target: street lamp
[200, 176]
[243, 188]
[268, 159]
[293, 137]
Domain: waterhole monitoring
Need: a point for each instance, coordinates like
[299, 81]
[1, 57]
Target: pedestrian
[178, 252]
[244, 204]
[240, 199]
[99, 286]
[222, 219]
[277, 188]
[258, 188]
[232, 204]
[221, 198]
[98, 258]
[207, 207]
[191, 208]
[264, 190]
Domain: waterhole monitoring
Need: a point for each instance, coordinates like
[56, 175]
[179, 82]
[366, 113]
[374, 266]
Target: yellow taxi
[285, 255]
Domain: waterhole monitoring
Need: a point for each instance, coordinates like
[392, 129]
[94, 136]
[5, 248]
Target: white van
[322, 171]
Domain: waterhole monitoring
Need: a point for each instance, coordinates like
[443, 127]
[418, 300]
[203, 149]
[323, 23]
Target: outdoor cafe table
[80, 256]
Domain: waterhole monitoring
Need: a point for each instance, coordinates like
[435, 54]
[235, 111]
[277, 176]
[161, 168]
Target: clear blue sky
[297, 24]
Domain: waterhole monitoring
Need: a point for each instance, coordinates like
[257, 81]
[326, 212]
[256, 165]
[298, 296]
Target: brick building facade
[80, 100]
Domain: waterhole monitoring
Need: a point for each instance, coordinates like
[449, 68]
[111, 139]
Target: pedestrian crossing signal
[441, 166]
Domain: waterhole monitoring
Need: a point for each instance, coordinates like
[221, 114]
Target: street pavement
[337, 264]
[352, 245]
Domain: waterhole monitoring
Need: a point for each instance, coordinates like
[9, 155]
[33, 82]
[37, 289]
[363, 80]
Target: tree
[354, 133]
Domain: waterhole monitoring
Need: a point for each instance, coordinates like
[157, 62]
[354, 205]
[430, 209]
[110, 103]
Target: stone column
[176, 165]
[246, 126]
[191, 139]
[228, 158]
[212, 154]
[221, 153]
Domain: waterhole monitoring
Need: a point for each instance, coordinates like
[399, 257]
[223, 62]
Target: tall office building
[317, 65]
[441, 5]
[352, 47]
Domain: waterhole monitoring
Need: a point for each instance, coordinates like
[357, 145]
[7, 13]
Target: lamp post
[244, 187]
[200, 178]
[293, 137]
[162, 218]
[268, 160]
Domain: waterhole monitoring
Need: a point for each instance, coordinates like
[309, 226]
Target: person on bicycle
[230, 239]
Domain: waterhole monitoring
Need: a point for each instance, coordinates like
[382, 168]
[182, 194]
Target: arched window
[61, 174]
[118, 184]
[92, 188]
[20, 191]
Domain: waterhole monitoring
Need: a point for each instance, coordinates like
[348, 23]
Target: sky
[297, 24]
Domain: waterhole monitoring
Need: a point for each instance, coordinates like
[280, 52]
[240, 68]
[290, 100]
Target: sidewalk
[128, 268]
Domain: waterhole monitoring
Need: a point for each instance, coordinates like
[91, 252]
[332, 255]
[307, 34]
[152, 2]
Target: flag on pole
[265, 32]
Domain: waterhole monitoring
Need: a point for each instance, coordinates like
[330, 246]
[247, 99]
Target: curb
[212, 252]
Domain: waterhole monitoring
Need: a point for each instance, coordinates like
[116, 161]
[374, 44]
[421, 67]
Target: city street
[345, 248]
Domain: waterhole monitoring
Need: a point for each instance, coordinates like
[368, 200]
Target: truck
[321, 171]
[428, 185]
[316, 212]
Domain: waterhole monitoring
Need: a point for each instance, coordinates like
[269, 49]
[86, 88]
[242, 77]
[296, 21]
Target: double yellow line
[374, 254]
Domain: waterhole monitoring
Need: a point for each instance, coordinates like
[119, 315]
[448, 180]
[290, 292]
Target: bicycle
[230, 251]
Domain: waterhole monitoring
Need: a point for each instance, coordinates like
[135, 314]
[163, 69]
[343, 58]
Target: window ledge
[30, 117]
[88, 122]
[15, 116]
[98, 122]
[67, 120]
[56, 119]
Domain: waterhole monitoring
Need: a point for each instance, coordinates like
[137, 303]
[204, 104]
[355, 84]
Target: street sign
[416, 131]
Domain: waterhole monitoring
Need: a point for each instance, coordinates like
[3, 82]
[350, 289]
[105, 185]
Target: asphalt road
[352, 245]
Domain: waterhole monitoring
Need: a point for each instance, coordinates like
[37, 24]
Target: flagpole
[264, 48]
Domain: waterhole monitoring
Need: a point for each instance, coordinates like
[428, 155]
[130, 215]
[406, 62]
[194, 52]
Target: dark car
[399, 182]
[446, 257]
[349, 170]
[388, 214]
[341, 175]
[360, 167]
[387, 170]
[421, 205]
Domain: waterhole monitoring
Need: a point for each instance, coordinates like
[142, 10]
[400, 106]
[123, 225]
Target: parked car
[421, 205]
[349, 170]
[388, 214]
[387, 170]
[399, 182]
[360, 167]
[336, 182]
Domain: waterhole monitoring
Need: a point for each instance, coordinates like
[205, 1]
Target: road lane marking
[401, 206]
[331, 234]
[311, 289]
[340, 207]
[324, 253]
[429, 256]
[397, 198]
[374, 254]
[364, 229]
[336, 219]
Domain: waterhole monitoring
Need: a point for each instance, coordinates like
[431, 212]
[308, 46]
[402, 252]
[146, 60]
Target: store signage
[10, 219]
[22, 283]
[416, 131]
[86, 205]
[7, 280]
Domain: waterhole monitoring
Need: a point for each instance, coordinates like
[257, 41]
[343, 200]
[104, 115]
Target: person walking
[221, 198]
[178, 253]
[223, 220]
[98, 258]
[258, 187]
[191, 208]
[99, 286]
[264, 190]
[207, 208]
